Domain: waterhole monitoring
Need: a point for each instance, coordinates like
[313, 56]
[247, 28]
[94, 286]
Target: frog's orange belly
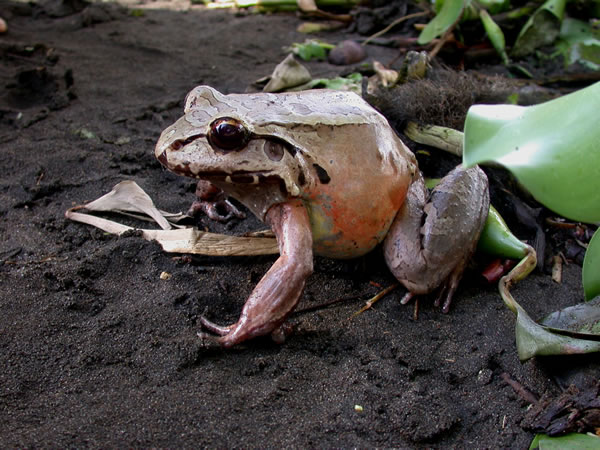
[346, 227]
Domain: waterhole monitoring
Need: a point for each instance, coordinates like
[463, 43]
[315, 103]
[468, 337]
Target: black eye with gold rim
[228, 134]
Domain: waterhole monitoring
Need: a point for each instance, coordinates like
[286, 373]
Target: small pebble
[484, 377]
[165, 276]
[347, 52]
[358, 408]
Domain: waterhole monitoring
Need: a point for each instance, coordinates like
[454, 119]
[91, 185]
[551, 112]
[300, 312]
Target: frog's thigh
[430, 239]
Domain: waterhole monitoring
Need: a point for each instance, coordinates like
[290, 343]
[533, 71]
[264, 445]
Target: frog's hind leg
[433, 236]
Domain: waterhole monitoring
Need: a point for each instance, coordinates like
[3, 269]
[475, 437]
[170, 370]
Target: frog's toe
[446, 293]
[214, 328]
[280, 334]
[448, 288]
[407, 298]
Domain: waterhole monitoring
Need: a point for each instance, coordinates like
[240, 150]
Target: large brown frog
[329, 175]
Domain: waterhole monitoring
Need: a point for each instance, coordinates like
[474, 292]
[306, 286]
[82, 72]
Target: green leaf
[495, 34]
[446, 18]
[497, 239]
[534, 339]
[552, 148]
[494, 6]
[579, 42]
[311, 50]
[541, 29]
[576, 329]
[352, 82]
[591, 268]
[571, 441]
[582, 320]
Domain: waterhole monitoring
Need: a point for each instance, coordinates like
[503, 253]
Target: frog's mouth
[243, 177]
[238, 177]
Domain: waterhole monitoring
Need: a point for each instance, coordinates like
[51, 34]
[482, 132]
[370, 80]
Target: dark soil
[98, 351]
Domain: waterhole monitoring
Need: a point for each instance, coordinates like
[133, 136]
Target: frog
[330, 176]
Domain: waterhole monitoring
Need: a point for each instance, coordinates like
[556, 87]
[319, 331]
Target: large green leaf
[591, 268]
[447, 17]
[552, 148]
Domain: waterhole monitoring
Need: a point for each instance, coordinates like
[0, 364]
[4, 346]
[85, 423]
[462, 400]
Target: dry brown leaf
[288, 73]
[128, 196]
[183, 240]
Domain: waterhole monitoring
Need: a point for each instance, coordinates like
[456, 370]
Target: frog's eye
[228, 134]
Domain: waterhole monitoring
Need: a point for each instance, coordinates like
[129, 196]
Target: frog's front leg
[213, 202]
[278, 292]
[432, 239]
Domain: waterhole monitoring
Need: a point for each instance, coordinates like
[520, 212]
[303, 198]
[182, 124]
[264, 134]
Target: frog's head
[218, 139]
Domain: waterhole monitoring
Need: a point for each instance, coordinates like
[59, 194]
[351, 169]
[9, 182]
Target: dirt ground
[98, 351]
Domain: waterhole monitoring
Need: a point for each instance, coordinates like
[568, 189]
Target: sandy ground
[97, 351]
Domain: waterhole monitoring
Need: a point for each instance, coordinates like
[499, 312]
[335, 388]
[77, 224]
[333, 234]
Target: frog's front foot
[213, 202]
[221, 211]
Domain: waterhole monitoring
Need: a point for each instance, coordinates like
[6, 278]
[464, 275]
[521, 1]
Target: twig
[445, 38]
[519, 389]
[393, 24]
[376, 298]
[326, 304]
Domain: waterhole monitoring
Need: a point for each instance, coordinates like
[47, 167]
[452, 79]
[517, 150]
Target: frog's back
[260, 109]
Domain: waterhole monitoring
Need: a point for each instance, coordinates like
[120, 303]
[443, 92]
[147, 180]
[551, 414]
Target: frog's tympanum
[329, 175]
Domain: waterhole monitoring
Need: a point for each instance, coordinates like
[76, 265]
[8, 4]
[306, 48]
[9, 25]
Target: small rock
[484, 377]
[347, 52]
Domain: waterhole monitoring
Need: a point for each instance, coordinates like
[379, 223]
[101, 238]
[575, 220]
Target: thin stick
[393, 24]
[445, 38]
[326, 304]
[376, 298]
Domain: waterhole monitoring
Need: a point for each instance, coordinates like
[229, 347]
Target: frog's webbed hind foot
[446, 289]
[434, 235]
